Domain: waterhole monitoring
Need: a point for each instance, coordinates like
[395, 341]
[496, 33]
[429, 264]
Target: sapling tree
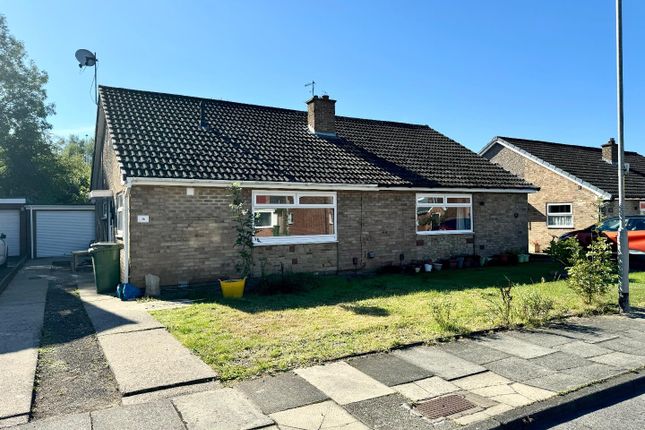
[594, 272]
[243, 219]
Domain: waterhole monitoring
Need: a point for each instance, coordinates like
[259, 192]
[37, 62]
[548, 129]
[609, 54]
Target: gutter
[179, 182]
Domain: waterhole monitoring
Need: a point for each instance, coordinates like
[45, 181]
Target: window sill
[293, 241]
[560, 227]
[444, 232]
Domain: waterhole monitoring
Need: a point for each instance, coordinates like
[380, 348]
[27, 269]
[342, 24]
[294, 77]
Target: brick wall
[190, 238]
[632, 207]
[111, 179]
[554, 188]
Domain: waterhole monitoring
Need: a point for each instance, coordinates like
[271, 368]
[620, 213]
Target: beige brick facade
[190, 238]
[554, 188]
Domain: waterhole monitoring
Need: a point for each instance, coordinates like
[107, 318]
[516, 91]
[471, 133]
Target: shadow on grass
[373, 311]
[331, 290]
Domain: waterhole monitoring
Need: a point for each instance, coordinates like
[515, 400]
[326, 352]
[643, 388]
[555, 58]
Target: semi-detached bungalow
[330, 193]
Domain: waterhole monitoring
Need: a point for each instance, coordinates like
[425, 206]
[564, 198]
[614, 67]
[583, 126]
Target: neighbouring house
[330, 193]
[578, 184]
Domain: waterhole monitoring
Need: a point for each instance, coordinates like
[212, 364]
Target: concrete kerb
[545, 413]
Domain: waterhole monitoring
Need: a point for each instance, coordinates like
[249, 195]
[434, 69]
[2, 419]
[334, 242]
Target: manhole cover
[444, 406]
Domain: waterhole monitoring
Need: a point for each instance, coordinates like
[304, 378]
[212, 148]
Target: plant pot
[460, 262]
[417, 269]
[232, 288]
[452, 263]
[503, 259]
[468, 262]
[427, 267]
[437, 266]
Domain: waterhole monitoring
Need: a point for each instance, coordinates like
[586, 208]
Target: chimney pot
[321, 115]
[610, 151]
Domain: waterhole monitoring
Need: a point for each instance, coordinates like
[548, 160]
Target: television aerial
[87, 58]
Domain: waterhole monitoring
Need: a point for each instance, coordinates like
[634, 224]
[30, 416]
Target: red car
[635, 226]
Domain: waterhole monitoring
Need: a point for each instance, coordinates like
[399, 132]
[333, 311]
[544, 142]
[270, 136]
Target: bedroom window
[283, 217]
[444, 214]
[559, 215]
[120, 215]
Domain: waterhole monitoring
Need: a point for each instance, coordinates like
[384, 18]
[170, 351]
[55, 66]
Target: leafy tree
[72, 179]
[27, 156]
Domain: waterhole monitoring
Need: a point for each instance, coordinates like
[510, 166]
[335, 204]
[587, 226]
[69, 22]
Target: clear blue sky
[472, 69]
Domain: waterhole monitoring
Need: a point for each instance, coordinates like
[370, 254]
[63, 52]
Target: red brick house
[330, 193]
[578, 184]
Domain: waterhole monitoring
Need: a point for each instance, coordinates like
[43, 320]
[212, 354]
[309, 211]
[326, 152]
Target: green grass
[337, 316]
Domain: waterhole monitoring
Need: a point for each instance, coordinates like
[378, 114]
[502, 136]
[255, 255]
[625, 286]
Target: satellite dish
[85, 58]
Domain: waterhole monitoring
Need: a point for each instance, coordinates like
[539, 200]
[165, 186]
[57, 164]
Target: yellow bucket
[232, 288]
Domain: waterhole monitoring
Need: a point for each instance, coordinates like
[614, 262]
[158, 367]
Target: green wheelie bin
[105, 259]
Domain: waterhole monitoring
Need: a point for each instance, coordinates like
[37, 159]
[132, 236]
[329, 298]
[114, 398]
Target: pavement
[472, 380]
[22, 307]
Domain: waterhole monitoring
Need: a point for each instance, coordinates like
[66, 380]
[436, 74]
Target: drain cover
[444, 406]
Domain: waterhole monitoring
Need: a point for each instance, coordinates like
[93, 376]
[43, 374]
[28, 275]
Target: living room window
[444, 214]
[284, 217]
[559, 215]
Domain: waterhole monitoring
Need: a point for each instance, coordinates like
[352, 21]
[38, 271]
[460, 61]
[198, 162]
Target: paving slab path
[486, 376]
[143, 356]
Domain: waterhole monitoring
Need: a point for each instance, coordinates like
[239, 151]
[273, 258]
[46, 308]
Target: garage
[59, 230]
[10, 226]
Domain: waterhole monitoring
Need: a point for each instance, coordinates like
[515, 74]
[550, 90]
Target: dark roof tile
[160, 136]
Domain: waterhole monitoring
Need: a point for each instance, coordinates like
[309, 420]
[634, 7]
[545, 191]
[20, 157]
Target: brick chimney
[321, 115]
[610, 151]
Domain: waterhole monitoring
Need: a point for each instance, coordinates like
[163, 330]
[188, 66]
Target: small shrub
[565, 252]
[593, 273]
[442, 312]
[501, 305]
[535, 308]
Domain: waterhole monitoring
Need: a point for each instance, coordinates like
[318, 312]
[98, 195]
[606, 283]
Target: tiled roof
[586, 163]
[158, 135]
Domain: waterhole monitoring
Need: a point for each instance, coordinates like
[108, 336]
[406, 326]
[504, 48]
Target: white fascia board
[60, 207]
[310, 185]
[464, 190]
[100, 193]
[19, 201]
[584, 184]
[249, 184]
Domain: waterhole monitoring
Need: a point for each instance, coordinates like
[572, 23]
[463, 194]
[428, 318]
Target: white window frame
[445, 204]
[119, 207]
[570, 213]
[301, 239]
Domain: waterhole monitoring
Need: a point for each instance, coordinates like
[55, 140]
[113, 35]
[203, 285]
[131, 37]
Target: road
[626, 415]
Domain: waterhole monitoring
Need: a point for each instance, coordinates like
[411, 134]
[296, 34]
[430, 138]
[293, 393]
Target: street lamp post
[623, 247]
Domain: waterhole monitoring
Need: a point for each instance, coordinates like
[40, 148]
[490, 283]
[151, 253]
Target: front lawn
[337, 316]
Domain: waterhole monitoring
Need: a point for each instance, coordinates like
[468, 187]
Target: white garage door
[10, 225]
[58, 233]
